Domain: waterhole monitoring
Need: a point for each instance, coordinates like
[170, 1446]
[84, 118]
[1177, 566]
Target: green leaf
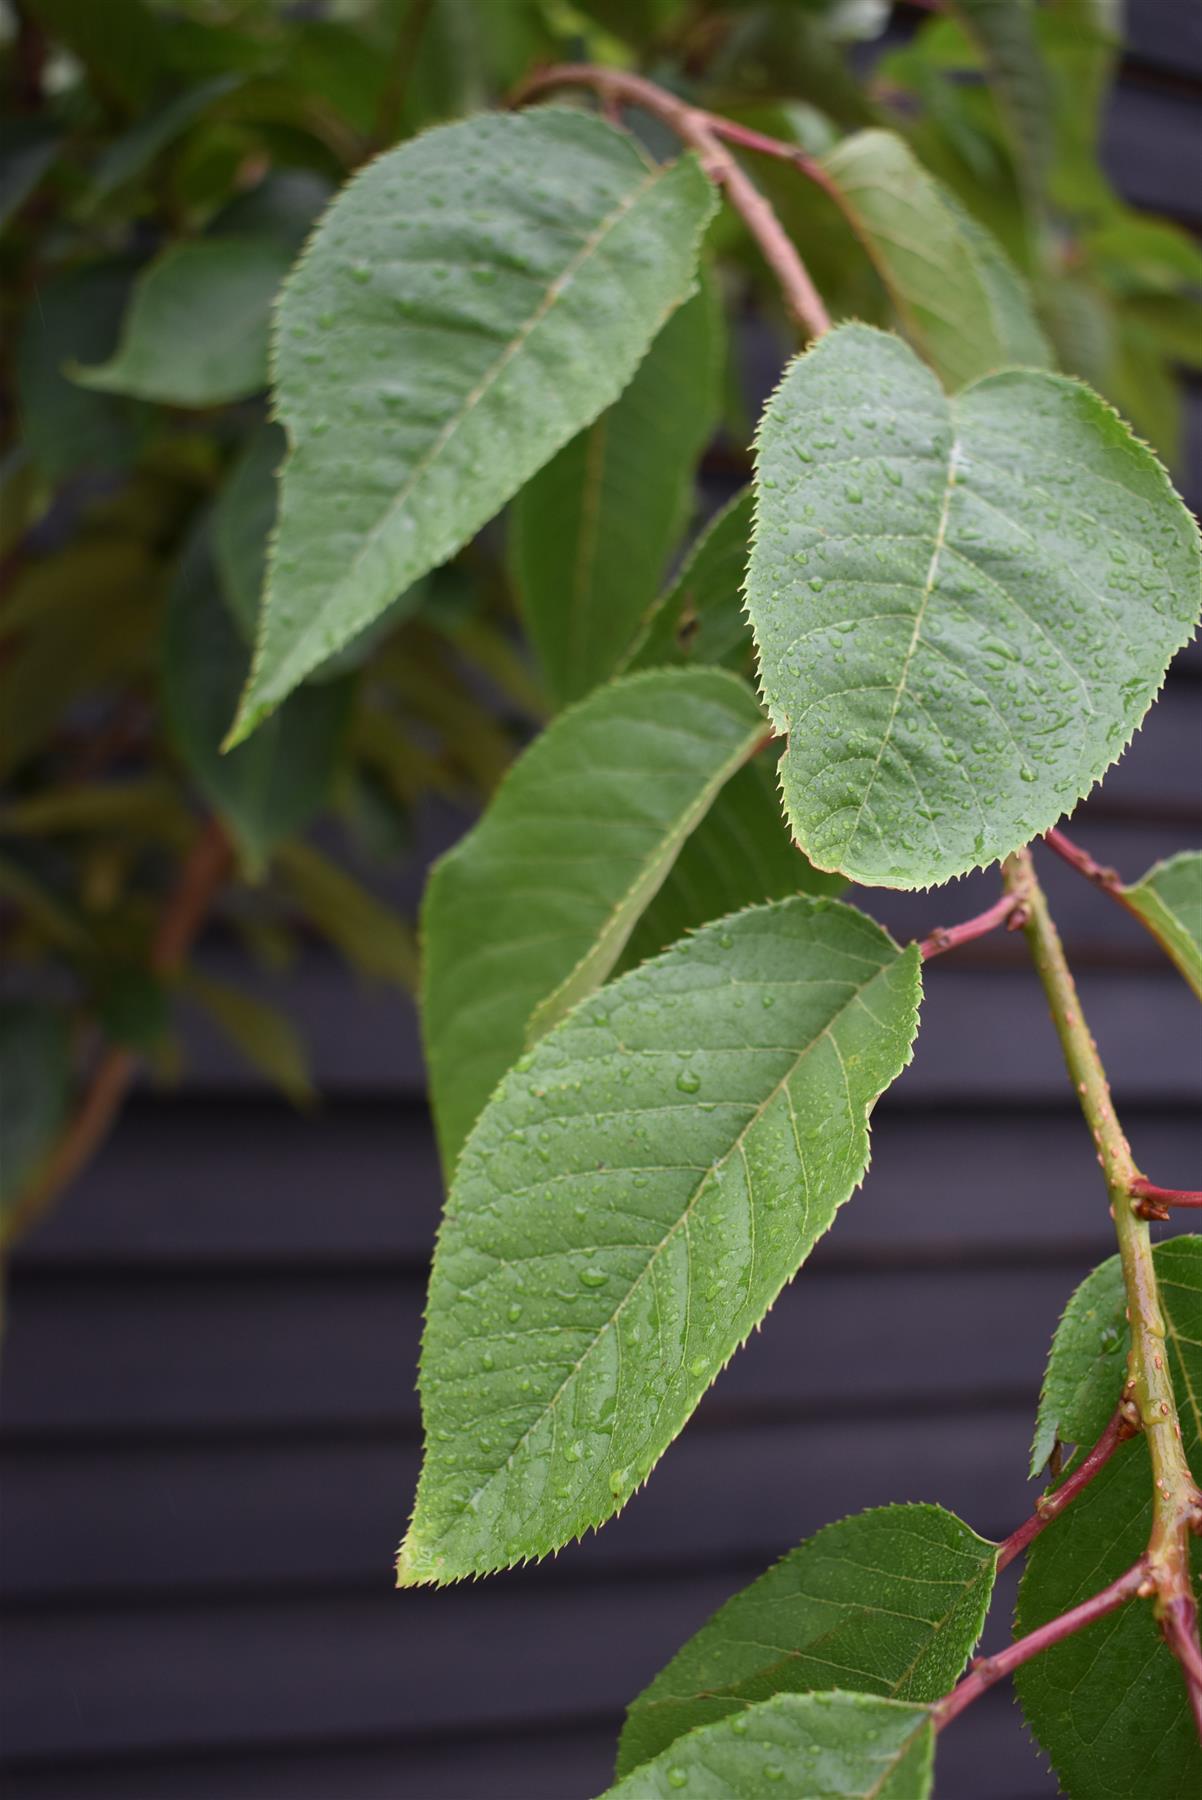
[887, 1602]
[1004, 32]
[432, 354]
[829, 1746]
[135, 150]
[700, 617]
[1085, 1368]
[373, 938]
[963, 606]
[76, 318]
[632, 1200]
[961, 302]
[272, 788]
[35, 1069]
[1108, 1705]
[1169, 901]
[265, 1036]
[534, 907]
[119, 43]
[592, 531]
[27, 149]
[196, 330]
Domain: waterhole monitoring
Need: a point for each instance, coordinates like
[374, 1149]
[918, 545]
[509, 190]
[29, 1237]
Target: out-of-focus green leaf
[265, 1036]
[270, 788]
[283, 206]
[700, 618]
[35, 1072]
[593, 529]
[506, 331]
[1169, 901]
[119, 42]
[1004, 31]
[27, 149]
[76, 318]
[129, 155]
[132, 1008]
[195, 333]
[148, 806]
[373, 938]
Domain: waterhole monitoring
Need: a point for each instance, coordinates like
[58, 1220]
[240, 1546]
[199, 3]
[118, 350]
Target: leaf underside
[433, 352]
[963, 606]
[1109, 1705]
[889, 1602]
[547, 887]
[830, 1746]
[1169, 900]
[632, 1200]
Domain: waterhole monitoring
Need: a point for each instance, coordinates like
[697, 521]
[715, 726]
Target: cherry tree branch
[1007, 911]
[702, 131]
[1154, 1202]
[1121, 1427]
[201, 878]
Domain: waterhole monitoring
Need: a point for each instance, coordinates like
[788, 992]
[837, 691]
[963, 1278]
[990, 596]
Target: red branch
[991, 1669]
[1154, 1202]
[1050, 1506]
[1006, 911]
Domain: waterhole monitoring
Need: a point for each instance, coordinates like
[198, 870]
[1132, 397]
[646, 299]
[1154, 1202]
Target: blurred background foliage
[161, 163]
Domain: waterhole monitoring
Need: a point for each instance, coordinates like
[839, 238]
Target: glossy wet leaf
[35, 1069]
[265, 790]
[1108, 1705]
[591, 533]
[699, 618]
[536, 904]
[1169, 901]
[195, 333]
[960, 301]
[633, 1198]
[889, 1602]
[432, 356]
[827, 1746]
[964, 606]
[1086, 1366]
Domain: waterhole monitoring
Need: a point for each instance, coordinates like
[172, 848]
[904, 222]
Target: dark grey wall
[210, 1435]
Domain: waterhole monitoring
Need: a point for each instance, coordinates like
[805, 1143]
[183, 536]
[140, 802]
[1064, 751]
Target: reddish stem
[1154, 1202]
[1050, 1506]
[1006, 911]
[991, 1669]
[1079, 859]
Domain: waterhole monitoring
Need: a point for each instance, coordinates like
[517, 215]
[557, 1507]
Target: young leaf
[469, 303]
[592, 531]
[1169, 901]
[888, 1602]
[196, 330]
[1108, 1704]
[828, 1746]
[272, 788]
[630, 1203]
[536, 903]
[700, 617]
[960, 300]
[963, 606]
[1086, 1365]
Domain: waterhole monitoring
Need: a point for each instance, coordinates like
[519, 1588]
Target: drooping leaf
[373, 938]
[593, 529]
[196, 330]
[265, 1036]
[76, 319]
[1004, 32]
[273, 787]
[1085, 1367]
[431, 358]
[960, 301]
[630, 1203]
[1108, 1705]
[699, 618]
[964, 606]
[35, 1072]
[1169, 901]
[827, 1746]
[537, 902]
[889, 1602]
[739, 854]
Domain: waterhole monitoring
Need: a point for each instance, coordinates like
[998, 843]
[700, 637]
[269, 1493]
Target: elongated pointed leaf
[1004, 32]
[1169, 901]
[961, 302]
[536, 904]
[1085, 1367]
[632, 1200]
[35, 1077]
[828, 1746]
[592, 531]
[1108, 1704]
[700, 617]
[470, 302]
[888, 1602]
[963, 606]
[196, 330]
